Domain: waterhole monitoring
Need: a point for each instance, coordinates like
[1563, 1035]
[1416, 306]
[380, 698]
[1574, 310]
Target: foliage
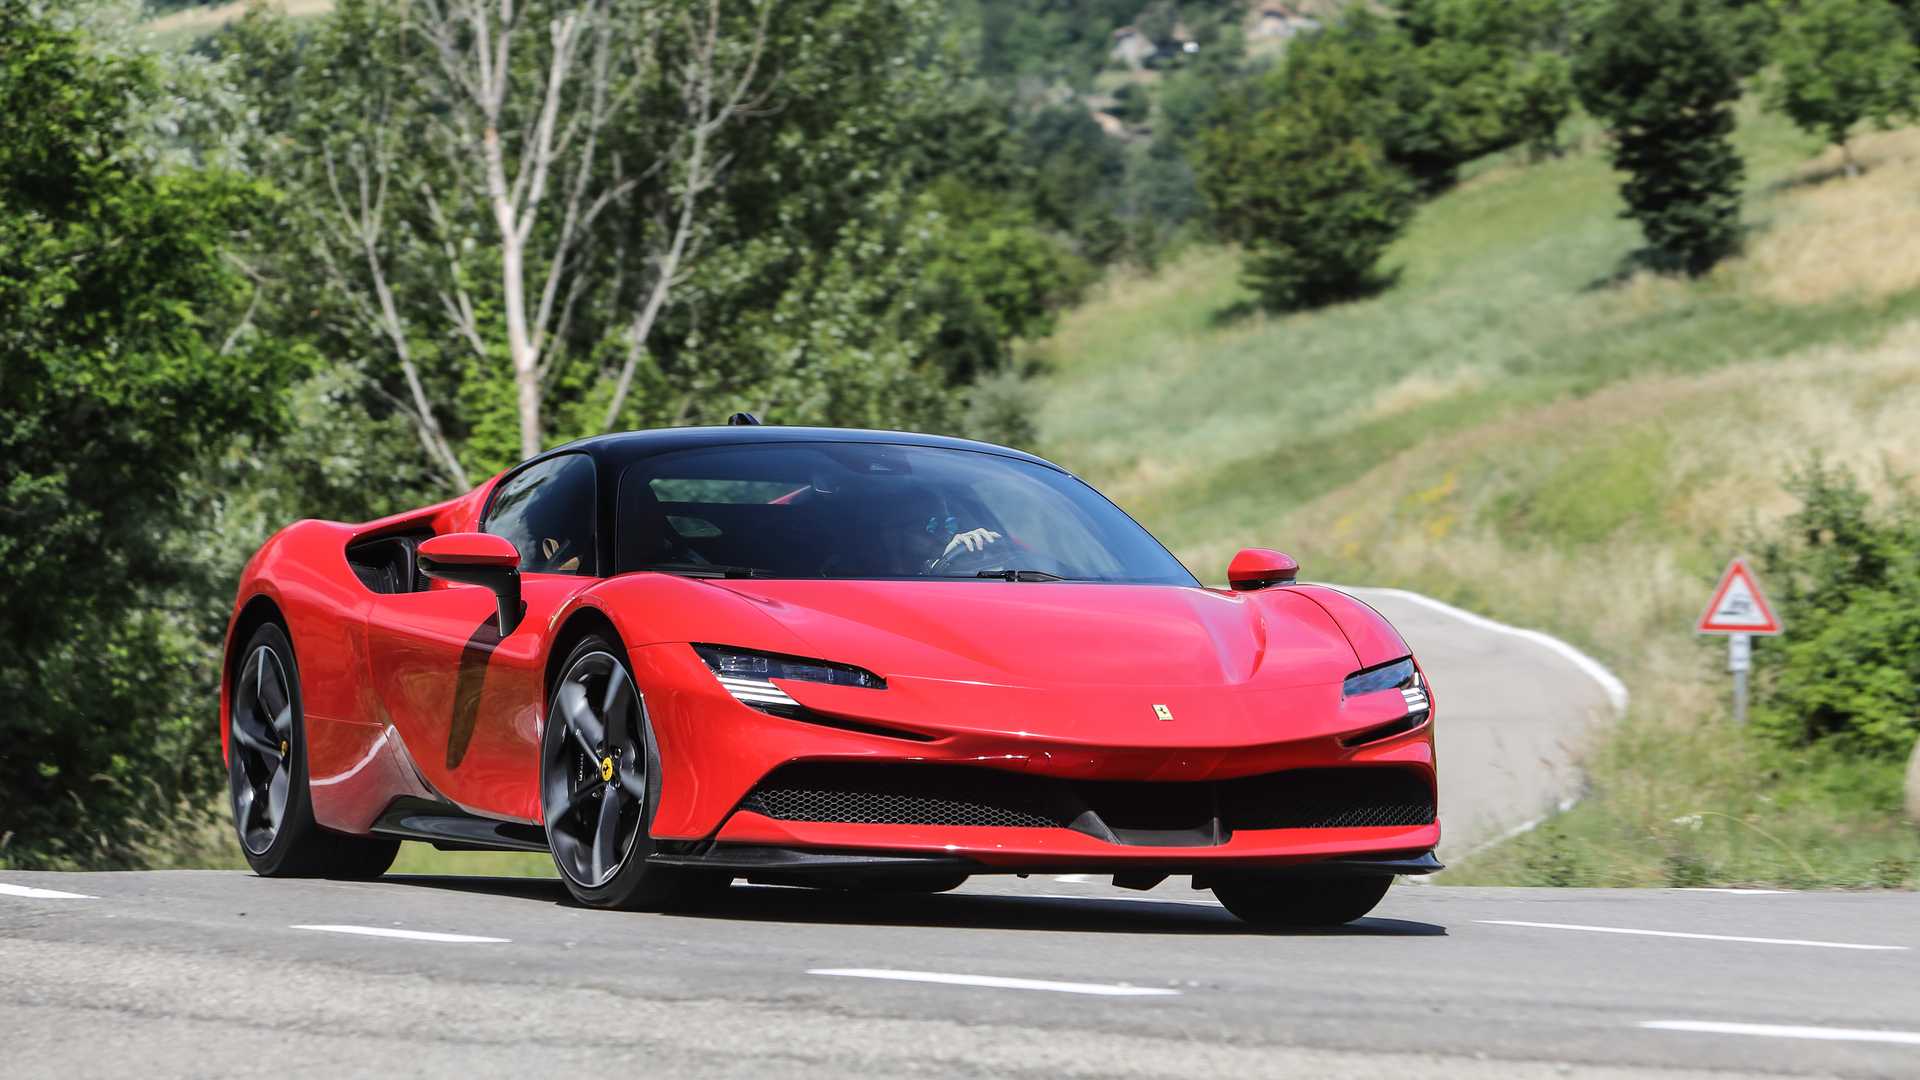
[1663, 76]
[1305, 186]
[805, 294]
[1457, 79]
[121, 376]
[1846, 582]
[1841, 62]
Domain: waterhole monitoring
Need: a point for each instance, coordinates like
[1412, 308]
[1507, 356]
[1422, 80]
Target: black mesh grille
[1127, 812]
[901, 795]
[1327, 799]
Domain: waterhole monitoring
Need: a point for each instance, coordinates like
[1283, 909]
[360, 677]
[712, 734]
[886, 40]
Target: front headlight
[1399, 675]
[749, 675]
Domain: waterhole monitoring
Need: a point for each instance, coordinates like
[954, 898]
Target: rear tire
[1299, 902]
[267, 774]
[599, 789]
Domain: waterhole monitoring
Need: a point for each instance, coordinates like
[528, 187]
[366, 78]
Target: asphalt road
[1515, 710]
[215, 973]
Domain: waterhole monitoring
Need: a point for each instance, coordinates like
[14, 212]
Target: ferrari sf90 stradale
[845, 659]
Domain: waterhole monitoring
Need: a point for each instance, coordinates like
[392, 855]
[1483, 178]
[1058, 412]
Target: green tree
[1663, 76]
[1305, 187]
[1841, 62]
[779, 266]
[125, 371]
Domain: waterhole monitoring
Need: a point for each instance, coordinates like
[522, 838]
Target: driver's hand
[974, 540]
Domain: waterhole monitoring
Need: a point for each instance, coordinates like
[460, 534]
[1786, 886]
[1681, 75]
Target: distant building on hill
[1283, 21]
[1131, 47]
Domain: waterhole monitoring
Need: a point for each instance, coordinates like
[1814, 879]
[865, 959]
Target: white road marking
[41, 894]
[1737, 892]
[412, 935]
[1126, 899]
[1616, 690]
[1698, 937]
[1787, 1031]
[1073, 879]
[998, 982]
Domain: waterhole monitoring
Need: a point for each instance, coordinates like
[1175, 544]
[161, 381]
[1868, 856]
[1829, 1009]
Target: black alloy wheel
[267, 773]
[598, 765]
[261, 740]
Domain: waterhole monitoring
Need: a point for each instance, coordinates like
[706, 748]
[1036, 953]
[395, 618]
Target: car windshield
[876, 510]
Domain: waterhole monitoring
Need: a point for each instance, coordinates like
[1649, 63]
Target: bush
[1846, 581]
[1663, 76]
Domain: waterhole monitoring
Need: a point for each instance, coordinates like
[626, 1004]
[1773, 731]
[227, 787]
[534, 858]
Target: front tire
[1301, 902]
[267, 774]
[599, 789]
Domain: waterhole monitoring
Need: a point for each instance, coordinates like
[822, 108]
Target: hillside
[1525, 427]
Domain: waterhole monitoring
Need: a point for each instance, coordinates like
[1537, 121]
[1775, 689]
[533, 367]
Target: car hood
[1056, 634]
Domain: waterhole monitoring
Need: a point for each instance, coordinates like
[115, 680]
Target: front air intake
[1126, 812]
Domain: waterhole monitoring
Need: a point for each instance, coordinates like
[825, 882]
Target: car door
[465, 702]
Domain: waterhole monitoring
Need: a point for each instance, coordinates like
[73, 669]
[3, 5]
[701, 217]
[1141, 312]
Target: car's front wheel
[1301, 902]
[599, 788]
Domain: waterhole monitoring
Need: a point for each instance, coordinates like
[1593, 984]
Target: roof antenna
[743, 419]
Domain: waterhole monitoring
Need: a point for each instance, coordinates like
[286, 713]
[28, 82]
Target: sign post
[1739, 610]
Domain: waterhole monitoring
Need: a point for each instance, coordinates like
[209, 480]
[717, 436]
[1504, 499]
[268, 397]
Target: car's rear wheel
[267, 774]
[1299, 901]
[599, 790]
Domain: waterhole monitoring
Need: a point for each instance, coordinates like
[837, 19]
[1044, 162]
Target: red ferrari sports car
[846, 659]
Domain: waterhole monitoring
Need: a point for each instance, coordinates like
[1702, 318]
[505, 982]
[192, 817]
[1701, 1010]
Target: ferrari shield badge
[606, 769]
[1163, 712]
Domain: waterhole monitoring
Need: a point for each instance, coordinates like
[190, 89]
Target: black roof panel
[623, 447]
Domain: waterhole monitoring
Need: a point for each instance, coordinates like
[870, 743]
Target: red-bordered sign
[1738, 605]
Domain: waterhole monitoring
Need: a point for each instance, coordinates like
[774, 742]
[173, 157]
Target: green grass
[1523, 426]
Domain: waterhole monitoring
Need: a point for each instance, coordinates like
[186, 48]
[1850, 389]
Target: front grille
[900, 795]
[1128, 812]
[1327, 799]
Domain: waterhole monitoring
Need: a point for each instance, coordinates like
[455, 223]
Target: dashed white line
[1787, 1031]
[1073, 879]
[1697, 937]
[41, 894]
[998, 982]
[411, 935]
[1125, 899]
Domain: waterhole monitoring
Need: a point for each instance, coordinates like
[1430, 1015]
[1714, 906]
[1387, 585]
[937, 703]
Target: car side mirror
[478, 559]
[1257, 568]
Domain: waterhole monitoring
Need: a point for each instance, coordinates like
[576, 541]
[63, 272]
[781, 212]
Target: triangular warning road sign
[1738, 605]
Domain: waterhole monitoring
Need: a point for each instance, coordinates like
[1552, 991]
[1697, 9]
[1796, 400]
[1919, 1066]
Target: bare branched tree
[520, 105]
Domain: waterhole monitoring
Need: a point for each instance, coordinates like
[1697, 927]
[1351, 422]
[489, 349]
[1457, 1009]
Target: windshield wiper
[706, 570]
[1020, 575]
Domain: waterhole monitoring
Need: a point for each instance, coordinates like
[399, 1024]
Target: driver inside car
[920, 536]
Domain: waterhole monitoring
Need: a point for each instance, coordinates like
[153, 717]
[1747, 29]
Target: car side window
[548, 511]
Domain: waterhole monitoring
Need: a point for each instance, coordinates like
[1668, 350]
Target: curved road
[213, 973]
[1514, 709]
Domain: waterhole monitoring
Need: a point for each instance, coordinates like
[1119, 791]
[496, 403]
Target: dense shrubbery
[122, 378]
[1845, 578]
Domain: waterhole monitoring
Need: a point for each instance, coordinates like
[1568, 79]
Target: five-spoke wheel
[594, 786]
[597, 766]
